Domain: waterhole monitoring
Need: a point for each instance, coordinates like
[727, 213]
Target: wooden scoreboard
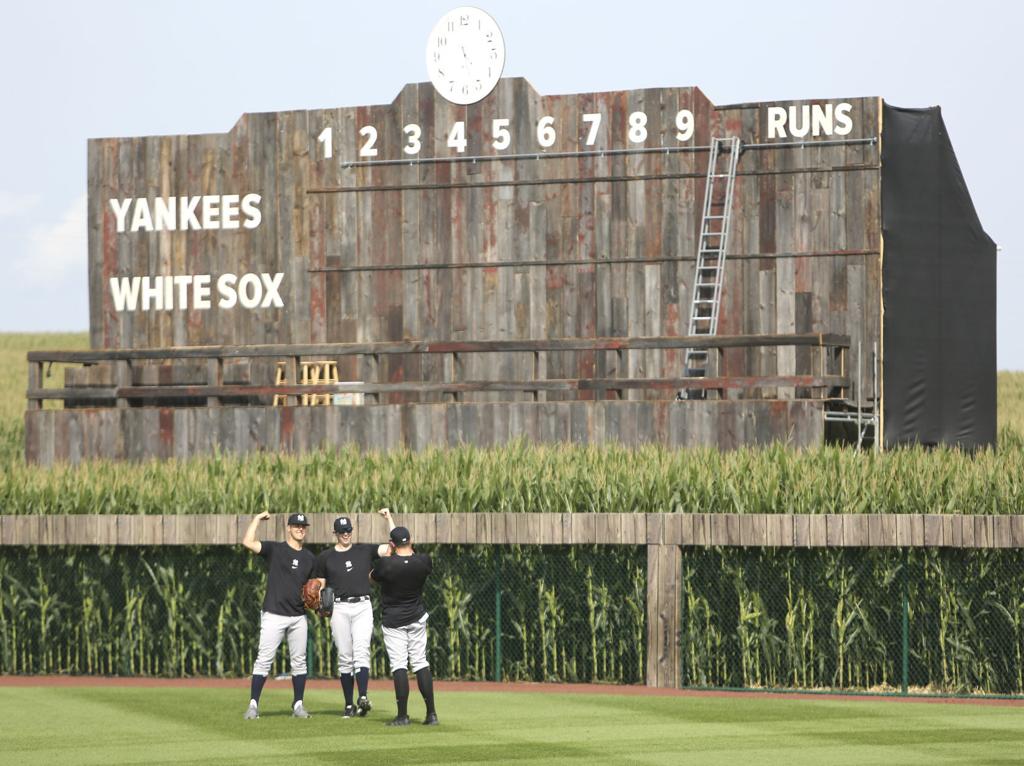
[475, 255]
[519, 217]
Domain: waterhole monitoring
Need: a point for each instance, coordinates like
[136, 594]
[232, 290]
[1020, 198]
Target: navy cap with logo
[342, 524]
[400, 535]
[297, 520]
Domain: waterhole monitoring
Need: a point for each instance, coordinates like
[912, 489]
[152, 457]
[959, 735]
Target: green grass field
[112, 726]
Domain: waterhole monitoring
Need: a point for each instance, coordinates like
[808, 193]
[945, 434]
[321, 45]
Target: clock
[465, 55]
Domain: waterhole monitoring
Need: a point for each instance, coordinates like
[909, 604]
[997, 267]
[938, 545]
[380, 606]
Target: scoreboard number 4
[501, 135]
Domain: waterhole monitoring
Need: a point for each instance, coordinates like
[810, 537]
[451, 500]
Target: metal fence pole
[497, 616]
[906, 622]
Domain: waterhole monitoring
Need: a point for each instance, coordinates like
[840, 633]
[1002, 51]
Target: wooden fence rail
[121, 388]
[680, 529]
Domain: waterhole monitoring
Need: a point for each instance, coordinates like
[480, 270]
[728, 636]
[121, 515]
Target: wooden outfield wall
[664, 535]
[74, 435]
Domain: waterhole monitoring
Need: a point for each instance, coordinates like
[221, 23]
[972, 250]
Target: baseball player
[345, 567]
[401, 574]
[284, 615]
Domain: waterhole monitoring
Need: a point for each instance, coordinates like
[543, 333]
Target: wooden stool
[281, 378]
[316, 373]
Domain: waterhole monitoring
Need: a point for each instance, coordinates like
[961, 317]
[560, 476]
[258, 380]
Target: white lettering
[229, 211]
[844, 124]
[249, 291]
[182, 281]
[821, 120]
[141, 218]
[125, 291]
[201, 292]
[251, 210]
[211, 211]
[121, 211]
[226, 290]
[806, 119]
[165, 213]
[152, 293]
[271, 296]
[801, 130]
[193, 291]
[187, 209]
[776, 122]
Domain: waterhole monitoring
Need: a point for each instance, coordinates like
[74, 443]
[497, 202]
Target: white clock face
[465, 55]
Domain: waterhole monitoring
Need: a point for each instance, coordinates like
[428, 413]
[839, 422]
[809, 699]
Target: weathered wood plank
[834, 530]
[757, 530]
[855, 530]
[664, 577]
[817, 531]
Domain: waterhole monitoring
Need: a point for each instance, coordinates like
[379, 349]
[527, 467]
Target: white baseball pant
[273, 629]
[352, 627]
[407, 645]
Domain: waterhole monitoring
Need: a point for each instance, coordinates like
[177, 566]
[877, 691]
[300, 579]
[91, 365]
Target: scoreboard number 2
[546, 133]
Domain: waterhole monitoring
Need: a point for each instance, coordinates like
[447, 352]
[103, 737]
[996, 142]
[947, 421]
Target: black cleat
[350, 711]
[431, 720]
[399, 720]
[364, 707]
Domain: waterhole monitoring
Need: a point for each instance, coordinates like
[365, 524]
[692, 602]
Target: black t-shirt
[287, 571]
[401, 581]
[348, 572]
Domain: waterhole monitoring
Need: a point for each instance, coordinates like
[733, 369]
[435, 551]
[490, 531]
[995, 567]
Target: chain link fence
[496, 612]
[883, 620]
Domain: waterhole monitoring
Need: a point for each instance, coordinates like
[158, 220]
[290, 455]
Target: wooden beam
[651, 529]
[290, 350]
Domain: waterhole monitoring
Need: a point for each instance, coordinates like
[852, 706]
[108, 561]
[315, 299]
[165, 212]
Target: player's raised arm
[249, 539]
[384, 549]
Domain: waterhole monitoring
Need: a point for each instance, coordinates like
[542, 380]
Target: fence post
[906, 621]
[497, 615]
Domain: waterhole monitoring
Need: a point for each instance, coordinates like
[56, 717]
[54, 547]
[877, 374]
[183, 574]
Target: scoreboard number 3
[546, 133]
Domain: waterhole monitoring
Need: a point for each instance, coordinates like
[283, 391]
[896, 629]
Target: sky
[74, 71]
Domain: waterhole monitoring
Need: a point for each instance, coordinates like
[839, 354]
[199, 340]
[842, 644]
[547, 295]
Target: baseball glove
[311, 595]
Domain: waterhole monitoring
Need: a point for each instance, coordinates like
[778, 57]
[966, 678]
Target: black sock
[363, 680]
[425, 680]
[346, 687]
[401, 677]
[256, 687]
[298, 687]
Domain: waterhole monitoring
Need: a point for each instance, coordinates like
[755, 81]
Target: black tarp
[938, 291]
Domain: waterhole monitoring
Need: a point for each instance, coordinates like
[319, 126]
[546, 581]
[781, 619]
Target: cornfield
[523, 478]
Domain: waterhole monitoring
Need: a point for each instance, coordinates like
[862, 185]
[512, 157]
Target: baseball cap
[399, 535]
[342, 524]
[297, 520]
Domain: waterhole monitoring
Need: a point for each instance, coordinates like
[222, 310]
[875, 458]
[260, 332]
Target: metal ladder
[711, 248]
